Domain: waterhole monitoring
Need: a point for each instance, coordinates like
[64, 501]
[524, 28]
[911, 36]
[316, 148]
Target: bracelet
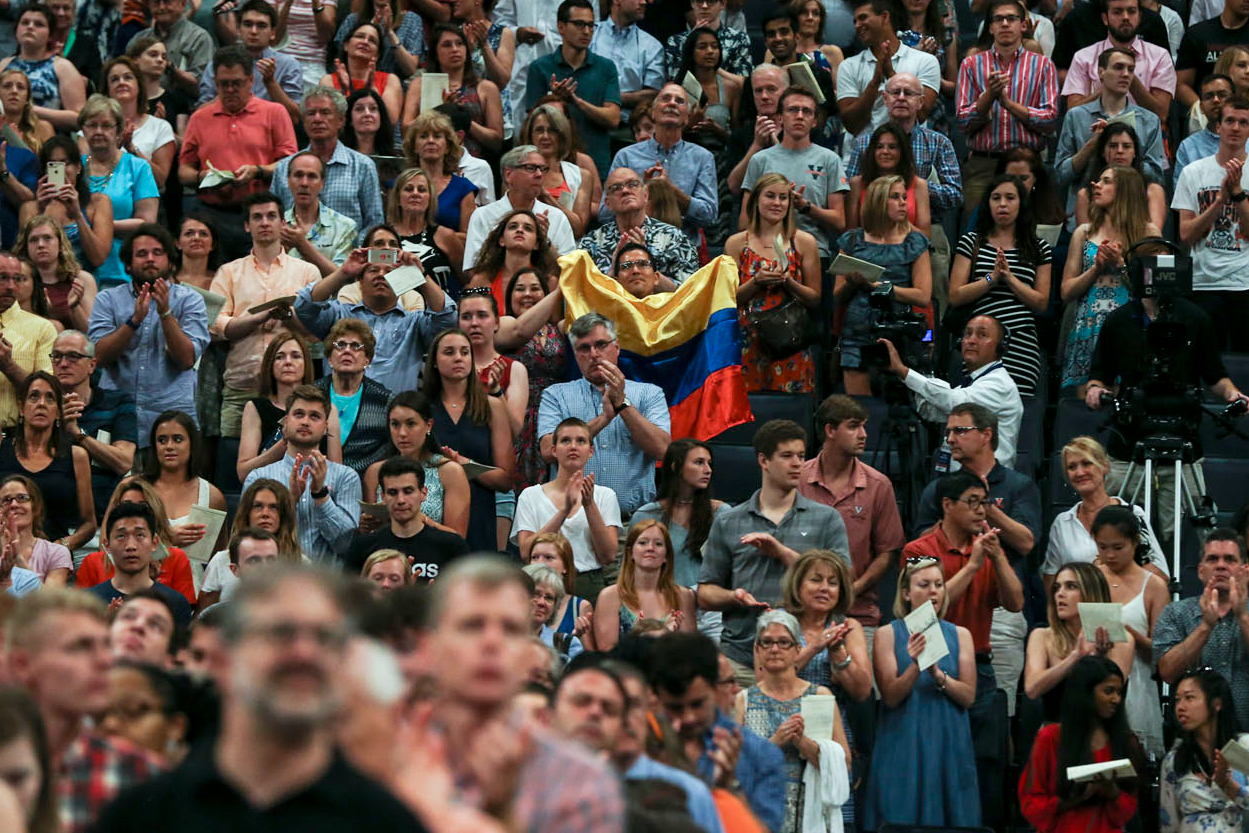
[166, 314]
[941, 682]
[132, 325]
[844, 664]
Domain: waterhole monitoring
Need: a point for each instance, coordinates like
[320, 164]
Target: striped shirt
[1033, 83]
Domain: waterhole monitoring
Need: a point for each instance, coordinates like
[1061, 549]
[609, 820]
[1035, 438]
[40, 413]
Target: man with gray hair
[523, 166]
[351, 186]
[628, 420]
[767, 83]
[102, 421]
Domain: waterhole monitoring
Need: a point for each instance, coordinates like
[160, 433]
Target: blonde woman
[565, 185]
[412, 210]
[1092, 283]
[777, 262]
[818, 589]
[1054, 650]
[574, 614]
[387, 570]
[645, 589]
[887, 239]
[70, 289]
[430, 143]
[19, 113]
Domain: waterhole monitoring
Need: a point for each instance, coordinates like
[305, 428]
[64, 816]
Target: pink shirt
[1153, 66]
[873, 523]
[46, 556]
[259, 134]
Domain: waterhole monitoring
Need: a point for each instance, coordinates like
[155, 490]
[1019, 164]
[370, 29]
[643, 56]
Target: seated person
[130, 540]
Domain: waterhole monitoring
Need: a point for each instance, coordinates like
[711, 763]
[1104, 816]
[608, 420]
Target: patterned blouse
[1190, 804]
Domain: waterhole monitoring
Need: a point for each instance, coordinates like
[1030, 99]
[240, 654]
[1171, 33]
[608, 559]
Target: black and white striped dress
[1023, 360]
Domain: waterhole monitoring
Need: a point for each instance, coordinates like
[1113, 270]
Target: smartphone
[386, 257]
[56, 173]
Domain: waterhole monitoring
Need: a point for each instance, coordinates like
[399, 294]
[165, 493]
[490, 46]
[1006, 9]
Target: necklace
[104, 177]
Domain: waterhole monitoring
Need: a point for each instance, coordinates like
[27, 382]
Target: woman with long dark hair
[86, 217]
[450, 53]
[518, 240]
[1117, 144]
[1198, 791]
[403, 34]
[175, 459]
[1093, 729]
[1002, 269]
[1026, 164]
[684, 505]
[713, 116]
[24, 749]
[357, 68]
[368, 128]
[889, 152]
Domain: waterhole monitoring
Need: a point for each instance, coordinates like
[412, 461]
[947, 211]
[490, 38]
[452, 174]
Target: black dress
[473, 441]
[56, 484]
[434, 261]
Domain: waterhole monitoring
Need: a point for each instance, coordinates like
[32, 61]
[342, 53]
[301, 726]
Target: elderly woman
[772, 706]
[357, 69]
[403, 34]
[430, 144]
[387, 570]
[1086, 465]
[124, 178]
[56, 88]
[360, 401]
[19, 112]
[565, 185]
[548, 594]
[573, 614]
[146, 136]
[23, 512]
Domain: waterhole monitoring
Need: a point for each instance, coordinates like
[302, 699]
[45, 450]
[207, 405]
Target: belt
[983, 657]
[987, 154]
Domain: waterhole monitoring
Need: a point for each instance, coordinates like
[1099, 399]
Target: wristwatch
[624, 403]
[320, 493]
[1241, 197]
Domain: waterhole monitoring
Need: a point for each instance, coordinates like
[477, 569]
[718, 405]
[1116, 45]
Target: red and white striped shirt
[1033, 83]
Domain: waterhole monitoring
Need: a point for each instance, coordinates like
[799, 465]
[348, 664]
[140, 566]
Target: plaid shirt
[734, 49]
[932, 151]
[563, 790]
[351, 187]
[674, 254]
[93, 771]
[333, 235]
[1033, 83]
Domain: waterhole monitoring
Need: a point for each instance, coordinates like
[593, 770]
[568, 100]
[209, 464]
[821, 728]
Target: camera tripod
[900, 432]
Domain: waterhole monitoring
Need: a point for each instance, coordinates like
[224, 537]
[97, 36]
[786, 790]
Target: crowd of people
[329, 496]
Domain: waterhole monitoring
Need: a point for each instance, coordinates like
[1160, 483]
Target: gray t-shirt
[730, 564]
[816, 169]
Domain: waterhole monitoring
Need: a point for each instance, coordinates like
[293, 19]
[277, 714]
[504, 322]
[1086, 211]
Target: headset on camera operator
[984, 343]
[1152, 354]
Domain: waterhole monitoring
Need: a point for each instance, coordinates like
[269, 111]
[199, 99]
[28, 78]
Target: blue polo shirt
[24, 167]
[597, 82]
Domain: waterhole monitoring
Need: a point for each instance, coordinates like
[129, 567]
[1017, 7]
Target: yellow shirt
[31, 338]
[244, 285]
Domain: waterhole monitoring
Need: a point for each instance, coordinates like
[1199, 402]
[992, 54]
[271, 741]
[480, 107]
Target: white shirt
[534, 509]
[1220, 257]
[1204, 10]
[1070, 541]
[152, 135]
[477, 171]
[855, 73]
[486, 217]
[991, 386]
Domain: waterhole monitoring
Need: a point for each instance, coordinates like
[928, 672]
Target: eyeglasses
[784, 644]
[974, 503]
[627, 185]
[100, 125]
[232, 83]
[71, 355]
[353, 346]
[795, 110]
[1211, 95]
[903, 93]
[1005, 18]
[286, 634]
[727, 682]
[533, 168]
[10, 499]
[10, 278]
[960, 430]
[584, 25]
[587, 348]
[634, 264]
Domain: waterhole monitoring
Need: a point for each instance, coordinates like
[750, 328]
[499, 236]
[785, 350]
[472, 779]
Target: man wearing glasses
[672, 254]
[25, 339]
[1007, 98]
[1153, 79]
[523, 167]
[588, 83]
[102, 421]
[1215, 89]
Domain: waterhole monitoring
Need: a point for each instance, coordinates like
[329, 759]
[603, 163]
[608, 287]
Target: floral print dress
[793, 374]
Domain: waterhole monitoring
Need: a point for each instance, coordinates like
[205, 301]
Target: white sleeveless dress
[1143, 707]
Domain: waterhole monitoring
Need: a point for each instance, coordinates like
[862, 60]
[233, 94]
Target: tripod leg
[1181, 489]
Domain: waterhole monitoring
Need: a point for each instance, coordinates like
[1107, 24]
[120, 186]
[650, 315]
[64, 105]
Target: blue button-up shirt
[324, 529]
[403, 337]
[638, 56]
[145, 368]
[1078, 127]
[351, 187]
[698, 800]
[1195, 146]
[760, 771]
[286, 72]
[618, 462]
[932, 151]
[691, 168]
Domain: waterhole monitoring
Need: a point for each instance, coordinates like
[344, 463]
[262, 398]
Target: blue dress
[473, 441]
[818, 671]
[1104, 296]
[897, 259]
[764, 715]
[130, 181]
[449, 201]
[924, 740]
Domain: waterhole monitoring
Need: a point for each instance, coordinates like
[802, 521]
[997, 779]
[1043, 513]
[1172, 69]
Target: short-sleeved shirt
[1224, 650]
[287, 73]
[1221, 256]
[618, 462]
[260, 133]
[873, 524]
[110, 411]
[1154, 67]
[974, 609]
[24, 167]
[691, 168]
[1014, 493]
[534, 508]
[131, 181]
[431, 550]
[190, 47]
[598, 83]
[1202, 45]
[672, 253]
[854, 74]
[730, 564]
[816, 168]
[107, 593]
[31, 338]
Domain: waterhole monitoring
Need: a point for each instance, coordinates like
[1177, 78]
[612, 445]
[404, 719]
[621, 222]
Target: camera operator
[988, 383]
[1122, 361]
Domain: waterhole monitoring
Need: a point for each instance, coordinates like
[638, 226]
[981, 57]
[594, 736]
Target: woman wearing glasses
[772, 707]
[360, 401]
[923, 735]
[22, 512]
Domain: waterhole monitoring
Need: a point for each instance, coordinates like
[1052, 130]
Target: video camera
[907, 330]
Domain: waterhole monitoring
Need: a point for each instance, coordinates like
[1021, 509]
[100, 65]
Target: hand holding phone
[56, 173]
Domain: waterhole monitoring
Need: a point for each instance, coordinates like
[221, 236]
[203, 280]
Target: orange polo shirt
[974, 610]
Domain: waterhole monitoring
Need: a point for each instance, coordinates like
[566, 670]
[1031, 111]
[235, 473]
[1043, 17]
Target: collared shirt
[484, 220]
[991, 386]
[597, 84]
[563, 789]
[259, 134]
[1033, 83]
[974, 609]
[197, 798]
[333, 235]
[672, 253]
[402, 337]
[190, 47]
[1078, 127]
[1195, 146]
[111, 412]
[1015, 494]
[698, 800]
[31, 337]
[638, 56]
[324, 528]
[870, 513]
[933, 152]
[1224, 650]
[730, 564]
[1153, 66]
[760, 771]
[618, 462]
[734, 51]
[690, 167]
[478, 172]
[94, 770]
[245, 284]
[1069, 540]
[351, 187]
[145, 368]
[287, 73]
[854, 74]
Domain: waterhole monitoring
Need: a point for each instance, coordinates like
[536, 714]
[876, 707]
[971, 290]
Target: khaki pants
[232, 402]
[745, 674]
[978, 172]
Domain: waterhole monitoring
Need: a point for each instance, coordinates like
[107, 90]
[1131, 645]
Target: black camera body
[905, 329]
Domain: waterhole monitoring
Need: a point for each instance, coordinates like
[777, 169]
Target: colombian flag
[686, 342]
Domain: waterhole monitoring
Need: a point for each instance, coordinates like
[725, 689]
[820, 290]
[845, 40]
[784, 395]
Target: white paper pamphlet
[1121, 768]
[433, 85]
[800, 75]
[845, 265]
[818, 712]
[1127, 117]
[923, 619]
[212, 302]
[1237, 755]
[475, 470]
[693, 89]
[284, 301]
[212, 519]
[405, 279]
[215, 178]
[1108, 615]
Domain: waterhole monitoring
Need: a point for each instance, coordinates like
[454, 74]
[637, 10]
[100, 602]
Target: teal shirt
[333, 234]
[348, 410]
[597, 82]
